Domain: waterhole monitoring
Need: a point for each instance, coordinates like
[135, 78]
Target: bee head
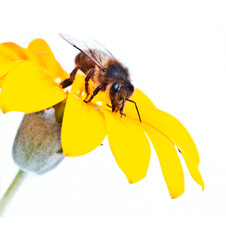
[119, 93]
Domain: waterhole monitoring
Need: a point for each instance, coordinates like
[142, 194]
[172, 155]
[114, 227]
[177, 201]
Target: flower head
[30, 82]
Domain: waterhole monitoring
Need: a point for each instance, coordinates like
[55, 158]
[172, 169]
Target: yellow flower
[29, 82]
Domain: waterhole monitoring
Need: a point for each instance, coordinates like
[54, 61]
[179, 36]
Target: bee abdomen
[82, 60]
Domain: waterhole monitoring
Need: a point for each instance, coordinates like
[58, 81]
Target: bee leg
[135, 107]
[121, 109]
[88, 76]
[67, 82]
[96, 90]
[113, 109]
[121, 113]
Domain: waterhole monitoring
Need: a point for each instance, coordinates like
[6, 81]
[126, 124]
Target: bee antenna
[136, 108]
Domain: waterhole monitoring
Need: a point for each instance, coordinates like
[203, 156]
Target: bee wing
[100, 47]
[95, 51]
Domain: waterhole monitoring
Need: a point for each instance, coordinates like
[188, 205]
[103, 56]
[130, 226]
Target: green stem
[11, 190]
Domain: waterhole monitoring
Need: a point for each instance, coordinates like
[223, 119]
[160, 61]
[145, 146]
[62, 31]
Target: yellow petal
[46, 58]
[28, 88]
[8, 60]
[176, 132]
[78, 86]
[7, 54]
[171, 127]
[194, 171]
[165, 123]
[83, 127]
[1, 81]
[143, 104]
[5, 68]
[129, 145]
[169, 161]
[20, 52]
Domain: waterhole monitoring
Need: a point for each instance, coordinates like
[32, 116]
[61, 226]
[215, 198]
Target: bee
[106, 72]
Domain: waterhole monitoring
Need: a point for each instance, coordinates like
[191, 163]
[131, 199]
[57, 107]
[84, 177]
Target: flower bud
[37, 146]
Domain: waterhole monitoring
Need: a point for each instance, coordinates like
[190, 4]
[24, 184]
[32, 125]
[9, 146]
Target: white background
[176, 53]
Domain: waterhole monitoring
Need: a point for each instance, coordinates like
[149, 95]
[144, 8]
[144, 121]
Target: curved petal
[78, 86]
[8, 60]
[129, 145]
[165, 123]
[5, 68]
[194, 171]
[46, 58]
[20, 52]
[28, 88]
[7, 54]
[175, 131]
[83, 127]
[171, 128]
[169, 161]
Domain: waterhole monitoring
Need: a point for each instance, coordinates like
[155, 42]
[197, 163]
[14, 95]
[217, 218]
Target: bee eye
[115, 87]
[130, 88]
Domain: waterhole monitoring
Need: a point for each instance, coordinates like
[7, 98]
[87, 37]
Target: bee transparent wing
[95, 51]
[100, 47]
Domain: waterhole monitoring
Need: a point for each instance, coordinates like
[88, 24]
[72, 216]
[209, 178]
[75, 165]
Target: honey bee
[106, 72]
